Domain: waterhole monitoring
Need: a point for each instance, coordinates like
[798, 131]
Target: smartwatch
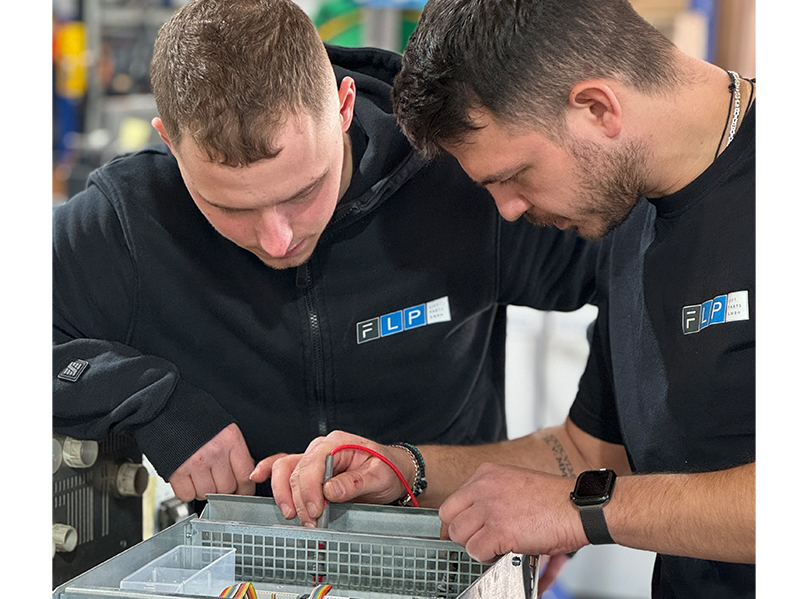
[592, 491]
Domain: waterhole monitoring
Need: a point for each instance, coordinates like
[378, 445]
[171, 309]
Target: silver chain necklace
[736, 105]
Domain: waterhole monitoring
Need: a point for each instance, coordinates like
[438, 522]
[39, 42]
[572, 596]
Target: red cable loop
[386, 461]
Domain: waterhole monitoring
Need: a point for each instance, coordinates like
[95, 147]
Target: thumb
[341, 488]
[361, 484]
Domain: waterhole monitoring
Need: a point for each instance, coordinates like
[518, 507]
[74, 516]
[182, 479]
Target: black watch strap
[594, 525]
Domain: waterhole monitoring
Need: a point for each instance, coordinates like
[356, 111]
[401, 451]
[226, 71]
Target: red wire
[385, 461]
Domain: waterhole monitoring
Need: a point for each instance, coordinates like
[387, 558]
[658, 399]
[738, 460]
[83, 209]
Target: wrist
[593, 491]
[415, 476]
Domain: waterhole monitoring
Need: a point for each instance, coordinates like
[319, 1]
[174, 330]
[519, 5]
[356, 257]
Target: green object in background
[341, 23]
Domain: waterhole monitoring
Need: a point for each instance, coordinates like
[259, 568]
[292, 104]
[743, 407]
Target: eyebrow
[299, 193]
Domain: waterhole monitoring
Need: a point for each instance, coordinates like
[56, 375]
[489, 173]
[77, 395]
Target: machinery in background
[97, 501]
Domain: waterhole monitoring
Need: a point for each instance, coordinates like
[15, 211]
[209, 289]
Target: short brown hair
[519, 59]
[227, 73]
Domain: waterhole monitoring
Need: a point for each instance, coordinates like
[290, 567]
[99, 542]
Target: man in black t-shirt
[579, 114]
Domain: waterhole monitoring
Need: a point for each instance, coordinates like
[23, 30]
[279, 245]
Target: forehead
[307, 148]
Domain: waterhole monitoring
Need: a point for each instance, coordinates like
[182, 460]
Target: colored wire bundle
[243, 590]
[320, 591]
[385, 461]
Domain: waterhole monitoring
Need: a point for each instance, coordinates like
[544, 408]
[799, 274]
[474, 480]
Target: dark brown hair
[227, 73]
[519, 59]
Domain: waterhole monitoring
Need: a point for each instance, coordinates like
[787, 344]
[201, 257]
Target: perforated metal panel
[304, 557]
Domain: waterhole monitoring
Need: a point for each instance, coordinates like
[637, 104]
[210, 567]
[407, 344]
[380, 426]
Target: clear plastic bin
[186, 570]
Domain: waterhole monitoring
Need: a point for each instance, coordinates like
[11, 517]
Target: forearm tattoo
[561, 457]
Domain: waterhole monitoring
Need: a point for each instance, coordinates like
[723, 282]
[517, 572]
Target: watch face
[593, 487]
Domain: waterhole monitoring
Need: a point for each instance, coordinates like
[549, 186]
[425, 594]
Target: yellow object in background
[133, 133]
[70, 57]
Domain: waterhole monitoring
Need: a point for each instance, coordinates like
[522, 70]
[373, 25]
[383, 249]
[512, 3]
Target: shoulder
[138, 170]
[143, 186]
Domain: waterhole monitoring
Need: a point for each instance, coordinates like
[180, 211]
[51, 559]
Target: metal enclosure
[368, 552]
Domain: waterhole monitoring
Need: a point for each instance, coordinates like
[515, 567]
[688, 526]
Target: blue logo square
[414, 317]
[718, 307]
[391, 323]
[705, 314]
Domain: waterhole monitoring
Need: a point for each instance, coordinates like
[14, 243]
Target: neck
[686, 135]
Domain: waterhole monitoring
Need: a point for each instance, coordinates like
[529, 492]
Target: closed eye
[232, 211]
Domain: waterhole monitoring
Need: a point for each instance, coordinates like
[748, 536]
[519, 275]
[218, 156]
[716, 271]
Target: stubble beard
[609, 187]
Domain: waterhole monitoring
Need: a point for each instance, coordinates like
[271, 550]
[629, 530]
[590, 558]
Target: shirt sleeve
[100, 383]
[595, 410]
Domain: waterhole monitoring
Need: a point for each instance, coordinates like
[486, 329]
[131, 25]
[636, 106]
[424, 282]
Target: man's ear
[595, 105]
[159, 126]
[347, 102]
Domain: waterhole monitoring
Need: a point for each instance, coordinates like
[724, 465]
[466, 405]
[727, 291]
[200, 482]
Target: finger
[479, 546]
[282, 469]
[263, 469]
[359, 483]
[223, 477]
[307, 478]
[306, 485]
[203, 482]
[182, 487]
[464, 527]
[454, 505]
[443, 532]
[246, 487]
[241, 466]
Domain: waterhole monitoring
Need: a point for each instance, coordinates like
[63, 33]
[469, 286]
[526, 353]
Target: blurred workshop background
[102, 106]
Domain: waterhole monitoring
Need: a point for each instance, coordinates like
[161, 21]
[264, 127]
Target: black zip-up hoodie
[394, 329]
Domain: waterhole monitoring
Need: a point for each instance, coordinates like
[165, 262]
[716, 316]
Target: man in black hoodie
[286, 264]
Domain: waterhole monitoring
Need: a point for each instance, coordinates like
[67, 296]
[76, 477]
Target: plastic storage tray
[186, 570]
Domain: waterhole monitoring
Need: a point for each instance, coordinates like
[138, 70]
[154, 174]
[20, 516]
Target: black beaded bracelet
[420, 484]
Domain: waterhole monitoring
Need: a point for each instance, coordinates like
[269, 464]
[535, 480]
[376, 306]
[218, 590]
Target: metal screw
[516, 561]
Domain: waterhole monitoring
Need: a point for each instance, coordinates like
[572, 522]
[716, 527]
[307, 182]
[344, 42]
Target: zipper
[304, 281]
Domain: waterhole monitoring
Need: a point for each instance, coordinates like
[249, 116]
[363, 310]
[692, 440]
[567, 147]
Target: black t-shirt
[671, 373]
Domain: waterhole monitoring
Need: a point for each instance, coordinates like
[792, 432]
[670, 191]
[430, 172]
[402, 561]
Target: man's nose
[275, 233]
[510, 204]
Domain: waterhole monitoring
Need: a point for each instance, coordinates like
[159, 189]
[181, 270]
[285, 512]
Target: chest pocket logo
[723, 308]
[437, 310]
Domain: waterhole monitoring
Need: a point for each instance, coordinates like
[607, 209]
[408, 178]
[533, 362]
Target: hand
[220, 466]
[358, 476]
[501, 509]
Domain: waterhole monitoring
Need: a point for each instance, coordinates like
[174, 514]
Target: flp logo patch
[723, 308]
[413, 317]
